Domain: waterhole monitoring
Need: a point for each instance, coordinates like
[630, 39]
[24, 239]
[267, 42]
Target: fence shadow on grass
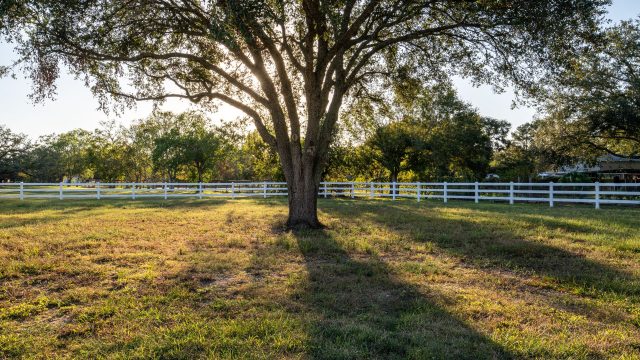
[485, 242]
[362, 311]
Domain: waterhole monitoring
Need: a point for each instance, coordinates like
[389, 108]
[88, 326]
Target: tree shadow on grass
[13, 206]
[16, 219]
[59, 210]
[360, 311]
[484, 242]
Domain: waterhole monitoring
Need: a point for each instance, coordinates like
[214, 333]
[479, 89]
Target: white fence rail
[551, 193]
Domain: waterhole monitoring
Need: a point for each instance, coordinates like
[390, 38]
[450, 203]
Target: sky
[74, 106]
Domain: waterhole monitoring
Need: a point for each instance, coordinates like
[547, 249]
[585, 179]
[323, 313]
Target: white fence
[551, 193]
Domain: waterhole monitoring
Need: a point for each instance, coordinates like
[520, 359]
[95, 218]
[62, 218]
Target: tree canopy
[595, 105]
[289, 65]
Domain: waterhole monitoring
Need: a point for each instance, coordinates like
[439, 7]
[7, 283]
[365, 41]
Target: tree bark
[303, 205]
[303, 181]
[199, 170]
[394, 179]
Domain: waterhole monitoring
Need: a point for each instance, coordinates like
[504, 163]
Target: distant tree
[143, 135]
[455, 147]
[191, 145]
[11, 144]
[596, 99]
[11, 168]
[167, 154]
[349, 162]
[517, 161]
[202, 148]
[13, 148]
[289, 65]
[62, 157]
[530, 152]
[110, 155]
[497, 131]
[43, 163]
[229, 163]
[262, 159]
[433, 135]
[466, 146]
[555, 143]
[392, 144]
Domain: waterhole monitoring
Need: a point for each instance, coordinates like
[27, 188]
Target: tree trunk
[303, 204]
[303, 165]
[303, 181]
[394, 179]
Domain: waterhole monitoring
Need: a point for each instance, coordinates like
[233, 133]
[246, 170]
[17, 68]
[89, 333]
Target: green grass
[185, 279]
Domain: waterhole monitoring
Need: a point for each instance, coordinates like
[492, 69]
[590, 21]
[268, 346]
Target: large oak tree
[289, 65]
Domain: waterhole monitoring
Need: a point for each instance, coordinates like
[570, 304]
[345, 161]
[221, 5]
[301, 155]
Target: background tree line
[162, 147]
[425, 133]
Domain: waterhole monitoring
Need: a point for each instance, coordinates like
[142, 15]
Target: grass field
[185, 279]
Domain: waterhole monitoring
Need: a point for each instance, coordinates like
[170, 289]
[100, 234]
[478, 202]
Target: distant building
[608, 168]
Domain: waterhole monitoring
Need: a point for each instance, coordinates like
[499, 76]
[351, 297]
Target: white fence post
[477, 194]
[393, 190]
[133, 191]
[98, 190]
[233, 190]
[418, 191]
[325, 189]
[21, 190]
[371, 195]
[550, 194]
[165, 191]
[352, 190]
[61, 196]
[200, 190]
[264, 189]
[597, 195]
[444, 197]
[511, 193]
